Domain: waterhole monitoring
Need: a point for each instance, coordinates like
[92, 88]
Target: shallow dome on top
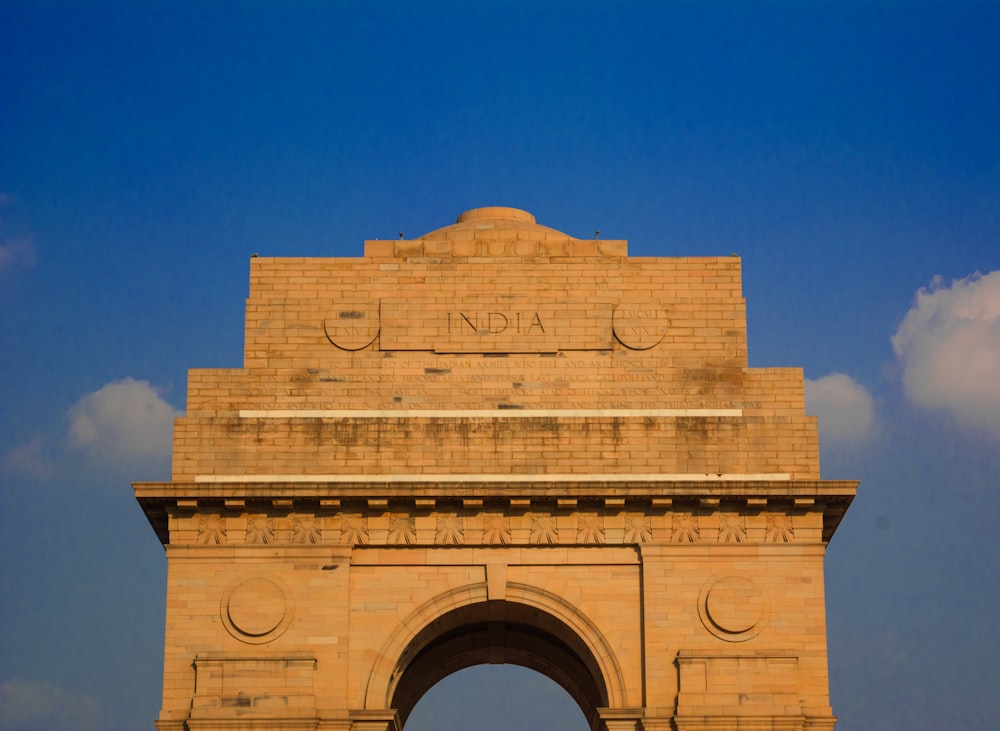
[495, 222]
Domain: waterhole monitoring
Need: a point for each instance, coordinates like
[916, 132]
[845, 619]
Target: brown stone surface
[495, 443]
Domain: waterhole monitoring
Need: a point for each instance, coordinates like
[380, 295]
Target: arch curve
[531, 627]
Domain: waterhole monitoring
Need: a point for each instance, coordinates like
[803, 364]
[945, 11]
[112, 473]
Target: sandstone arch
[531, 627]
[495, 443]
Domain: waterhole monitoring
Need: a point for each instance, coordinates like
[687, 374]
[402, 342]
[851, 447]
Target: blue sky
[847, 151]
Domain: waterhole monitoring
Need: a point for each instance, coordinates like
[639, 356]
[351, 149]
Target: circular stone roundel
[639, 326]
[732, 608]
[352, 325]
[256, 610]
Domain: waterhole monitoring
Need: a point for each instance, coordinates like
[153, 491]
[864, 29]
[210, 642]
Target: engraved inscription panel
[640, 325]
[512, 324]
[352, 325]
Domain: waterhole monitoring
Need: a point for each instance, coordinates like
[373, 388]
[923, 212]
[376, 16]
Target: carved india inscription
[484, 327]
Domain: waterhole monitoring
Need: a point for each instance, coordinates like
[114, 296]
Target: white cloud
[845, 409]
[949, 348]
[30, 458]
[27, 706]
[17, 253]
[122, 423]
[123, 429]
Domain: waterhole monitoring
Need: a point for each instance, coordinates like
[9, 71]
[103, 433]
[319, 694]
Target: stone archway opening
[496, 698]
[495, 633]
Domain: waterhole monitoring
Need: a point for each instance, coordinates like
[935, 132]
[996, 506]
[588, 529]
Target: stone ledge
[160, 501]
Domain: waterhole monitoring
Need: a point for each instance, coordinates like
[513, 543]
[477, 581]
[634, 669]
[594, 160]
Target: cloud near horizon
[949, 348]
[31, 458]
[29, 706]
[845, 409]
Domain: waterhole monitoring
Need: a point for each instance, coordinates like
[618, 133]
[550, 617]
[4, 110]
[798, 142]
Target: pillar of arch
[495, 443]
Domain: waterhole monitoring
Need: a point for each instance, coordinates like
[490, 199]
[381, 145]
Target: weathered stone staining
[495, 443]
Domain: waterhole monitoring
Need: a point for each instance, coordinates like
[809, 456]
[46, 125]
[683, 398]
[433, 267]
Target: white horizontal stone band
[475, 413]
[655, 477]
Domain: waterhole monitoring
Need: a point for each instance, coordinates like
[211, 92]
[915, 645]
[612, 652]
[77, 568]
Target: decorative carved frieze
[544, 529]
[306, 529]
[450, 530]
[590, 528]
[637, 528]
[354, 523]
[496, 529]
[211, 530]
[402, 530]
[354, 529]
[778, 528]
[732, 528]
[260, 530]
[685, 529]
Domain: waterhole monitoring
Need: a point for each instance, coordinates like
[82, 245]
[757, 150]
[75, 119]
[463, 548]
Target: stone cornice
[831, 497]
[408, 487]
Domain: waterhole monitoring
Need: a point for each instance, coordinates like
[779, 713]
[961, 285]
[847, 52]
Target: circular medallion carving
[256, 610]
[732, 608]
[639, 326]
[352, 325]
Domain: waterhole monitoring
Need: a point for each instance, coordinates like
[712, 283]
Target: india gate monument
[495, 443]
